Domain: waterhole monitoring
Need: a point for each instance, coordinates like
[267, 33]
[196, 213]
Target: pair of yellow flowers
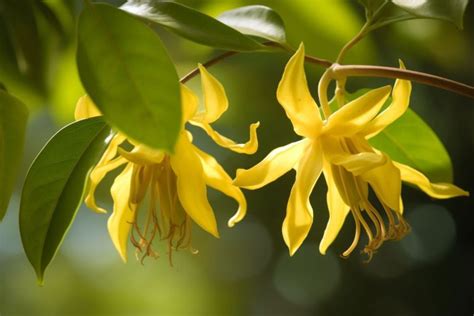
[176, 185]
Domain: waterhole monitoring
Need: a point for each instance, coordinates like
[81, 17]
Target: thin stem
[193, 73]
[389, 72]
[352, 42]
[341, 71]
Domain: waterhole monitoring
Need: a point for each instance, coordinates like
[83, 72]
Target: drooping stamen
[355, 241]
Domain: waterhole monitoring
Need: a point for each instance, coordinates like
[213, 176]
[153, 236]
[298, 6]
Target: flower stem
[390, 72]
[342, 71]
[352, 42]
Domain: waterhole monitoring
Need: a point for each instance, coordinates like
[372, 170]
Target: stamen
[355, 241]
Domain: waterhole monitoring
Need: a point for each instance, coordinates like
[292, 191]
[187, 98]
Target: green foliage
[192, 24]
[256, 20]
[411, 141]
[13, 119]
[383, 12]
[54, 188]
[127, 72]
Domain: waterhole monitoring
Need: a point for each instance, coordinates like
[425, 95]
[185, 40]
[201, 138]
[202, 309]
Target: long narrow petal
[338, 211]
[191, 185]
[386, 182]
[435, 190]
[250, 147]
[142, 155]
[299, 213]
[217, 178]
[105, 165]
[355, 163]
[215, 99]
[189, 102]
[96, 176]
[293, 94]
[400, 101]
[278, 162]
[85, 108]
[353, 116]
[123, 215]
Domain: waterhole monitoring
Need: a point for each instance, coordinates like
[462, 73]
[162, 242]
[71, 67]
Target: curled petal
[299, 213]
[386, 183]
[338, 211]
[249, 147]
[357, 163]
[400, 101]
[104, 166]
[293, 94]
[278, 162]
[123, 215]
[189, 102]
[355, 115]
[215, 99]
[191, 185]
[96, 176]
[142, 155]
[217, 178]
[435, 190]
[85, 108]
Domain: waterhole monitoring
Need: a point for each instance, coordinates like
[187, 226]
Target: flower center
[165, 217]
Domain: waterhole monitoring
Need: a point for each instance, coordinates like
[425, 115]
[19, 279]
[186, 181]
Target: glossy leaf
[448, 10]
[191, 24]
[383, 12]
[256, 20]
[54, 188]
[13, 119]
[411, 141]
[127, 72]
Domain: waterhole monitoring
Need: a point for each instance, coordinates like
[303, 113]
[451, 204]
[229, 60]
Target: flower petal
[293, 94]
[123, 215]
[104, 166]
[217, 178]
[189, 102]
[435, 190]
[142, 155]
[400, 101]
[215, 99]
[278, 162]
[85, 108]
[354, 116]
[191, 185]
[299, 213]
[386, 183]
[250, 147]
[357, 163]
[338, 211]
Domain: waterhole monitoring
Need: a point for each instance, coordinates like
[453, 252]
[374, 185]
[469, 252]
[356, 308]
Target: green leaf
[256, 20]
[447, 10]
[127, 72]
[384, 12]
[192, 24]
[54, 188]
[411, 141]
[13, 119]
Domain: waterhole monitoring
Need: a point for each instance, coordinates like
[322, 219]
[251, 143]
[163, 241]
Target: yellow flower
[338, 148]
[176, 184]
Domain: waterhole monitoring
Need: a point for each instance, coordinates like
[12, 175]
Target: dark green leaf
[384, 12]
[191, 24]
[54, 188]
[13, 119]
[448, 10]
[411, 141]
[127, 72]
[256, 20]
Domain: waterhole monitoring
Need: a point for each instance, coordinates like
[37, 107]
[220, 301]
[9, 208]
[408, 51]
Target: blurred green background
[248, 271]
